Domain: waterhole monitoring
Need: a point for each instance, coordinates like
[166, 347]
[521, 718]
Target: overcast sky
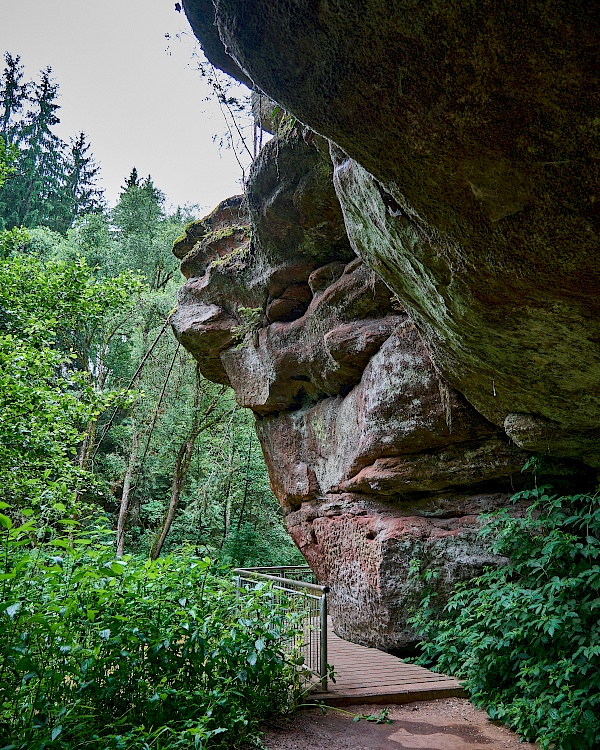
[136, 93]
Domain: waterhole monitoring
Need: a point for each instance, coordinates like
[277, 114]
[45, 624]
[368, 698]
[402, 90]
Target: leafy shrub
[526, 636]
[100, 653]
[51, 329]
[271, 545]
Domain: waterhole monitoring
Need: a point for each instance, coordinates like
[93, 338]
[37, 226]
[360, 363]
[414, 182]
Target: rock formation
[381, 466]
[466, 157]
[408, 295]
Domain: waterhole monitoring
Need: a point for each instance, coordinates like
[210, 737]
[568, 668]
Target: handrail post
[323, 665]
[310, 591]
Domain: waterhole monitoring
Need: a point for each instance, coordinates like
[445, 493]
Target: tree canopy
[53, 182]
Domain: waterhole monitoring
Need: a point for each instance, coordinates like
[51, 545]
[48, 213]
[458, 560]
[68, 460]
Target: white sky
[136, 94]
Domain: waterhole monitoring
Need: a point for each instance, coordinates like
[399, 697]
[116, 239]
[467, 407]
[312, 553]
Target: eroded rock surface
[465, 142]
[381, 466]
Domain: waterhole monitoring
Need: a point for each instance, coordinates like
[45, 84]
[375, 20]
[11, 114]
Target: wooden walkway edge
[367, 675]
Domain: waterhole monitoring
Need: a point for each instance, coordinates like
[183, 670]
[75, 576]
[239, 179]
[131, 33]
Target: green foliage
[11, 240]
[52, 331]
[51, 182]
[250, 321]
[526, 636]
[144, 232]
[8, 154]
[105, 654]
[248, 547]
[38, 426]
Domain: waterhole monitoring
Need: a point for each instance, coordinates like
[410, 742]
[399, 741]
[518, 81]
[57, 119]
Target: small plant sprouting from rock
[286, 122]
[250, 322]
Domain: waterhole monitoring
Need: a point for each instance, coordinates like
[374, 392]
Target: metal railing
[298, 581]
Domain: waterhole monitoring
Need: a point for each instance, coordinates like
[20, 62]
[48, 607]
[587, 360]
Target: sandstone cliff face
[410, 303]
[381, 466]
[466, 164]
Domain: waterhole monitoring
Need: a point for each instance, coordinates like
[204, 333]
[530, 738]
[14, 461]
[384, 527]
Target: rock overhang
[478, 128]
[426, 296]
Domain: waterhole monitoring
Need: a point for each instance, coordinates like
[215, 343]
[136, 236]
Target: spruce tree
[53, 183]
[78, 193]
[42, 157]
[138, 218]
[13, 95]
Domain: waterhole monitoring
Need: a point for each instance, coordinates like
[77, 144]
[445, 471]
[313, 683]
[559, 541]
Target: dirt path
[445, 724]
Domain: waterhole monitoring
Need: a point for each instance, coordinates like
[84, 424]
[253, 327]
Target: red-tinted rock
[379, 464]
[465, 139]
[292, 304]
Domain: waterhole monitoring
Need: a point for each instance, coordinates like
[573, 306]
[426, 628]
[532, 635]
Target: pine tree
[54, 183]
[79, 194]
[13, 94]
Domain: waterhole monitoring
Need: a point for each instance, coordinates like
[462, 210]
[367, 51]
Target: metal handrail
[311, 591]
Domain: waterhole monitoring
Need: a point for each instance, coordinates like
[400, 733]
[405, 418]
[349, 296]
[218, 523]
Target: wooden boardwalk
[367, 675]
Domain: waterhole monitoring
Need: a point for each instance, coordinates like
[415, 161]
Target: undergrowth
[525, 637]
[123, 654]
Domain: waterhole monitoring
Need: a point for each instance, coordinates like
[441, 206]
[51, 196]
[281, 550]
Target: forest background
[102, 409]
[129, 485]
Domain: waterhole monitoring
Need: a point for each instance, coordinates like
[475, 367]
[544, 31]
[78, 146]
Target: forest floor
[443, 724]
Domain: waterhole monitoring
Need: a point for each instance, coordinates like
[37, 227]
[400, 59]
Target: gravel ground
[445, 724]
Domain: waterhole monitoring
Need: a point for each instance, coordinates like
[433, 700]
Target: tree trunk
[227, 503]
[182, 464]
[125, 497]
[241, 516]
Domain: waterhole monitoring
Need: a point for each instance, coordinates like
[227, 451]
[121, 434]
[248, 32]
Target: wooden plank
[347, 676]
[393, 696]
[390, 680]
[341, 674]
[383, 669]
[366, 674]
[385, 689]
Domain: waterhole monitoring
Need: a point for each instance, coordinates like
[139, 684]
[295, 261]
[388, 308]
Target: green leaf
[63, 543]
